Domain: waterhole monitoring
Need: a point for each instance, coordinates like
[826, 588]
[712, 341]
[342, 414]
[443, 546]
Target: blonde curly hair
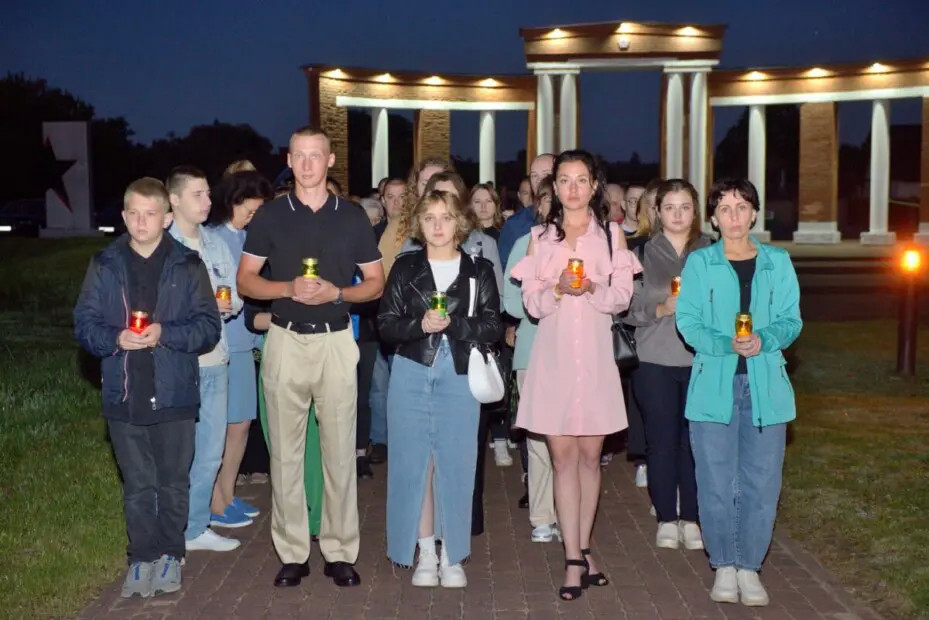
[405, 225]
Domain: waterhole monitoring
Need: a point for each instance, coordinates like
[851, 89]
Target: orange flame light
[911, 261]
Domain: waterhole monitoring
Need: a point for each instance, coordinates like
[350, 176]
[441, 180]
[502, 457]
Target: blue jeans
[738, 482]
[431, 414]
[208, 446]
[378, 398]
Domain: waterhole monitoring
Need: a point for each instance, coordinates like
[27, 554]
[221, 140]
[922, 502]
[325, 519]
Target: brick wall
[819, 157]
[924, 167]
[431, 134]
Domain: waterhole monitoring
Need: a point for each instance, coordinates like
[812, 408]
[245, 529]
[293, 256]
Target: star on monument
[53, 171]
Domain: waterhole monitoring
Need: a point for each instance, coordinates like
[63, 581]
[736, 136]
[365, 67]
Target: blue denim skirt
[431, 414]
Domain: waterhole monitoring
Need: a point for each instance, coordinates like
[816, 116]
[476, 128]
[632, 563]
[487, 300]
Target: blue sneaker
[245, 508]
[231, 517]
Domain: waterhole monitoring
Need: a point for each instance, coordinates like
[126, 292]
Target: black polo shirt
[339, 235]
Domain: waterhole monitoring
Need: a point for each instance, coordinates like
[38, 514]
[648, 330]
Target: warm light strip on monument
[434, 80]
[384, 77]
[489, 83]
[754, 76]
[557, 33]
[688, 31]
[625, 28]
[816, 72]
[878, 68]
[336, 73]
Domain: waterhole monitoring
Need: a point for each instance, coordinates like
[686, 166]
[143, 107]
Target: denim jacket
[221, 268]
[238, 337]
[706, 308]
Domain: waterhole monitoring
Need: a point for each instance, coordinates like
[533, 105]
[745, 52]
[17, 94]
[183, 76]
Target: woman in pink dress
[572, 392]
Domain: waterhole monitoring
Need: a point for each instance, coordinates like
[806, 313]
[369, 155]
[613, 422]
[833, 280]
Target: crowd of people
[370, 313]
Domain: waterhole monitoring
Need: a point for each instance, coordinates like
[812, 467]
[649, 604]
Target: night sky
[168, 65]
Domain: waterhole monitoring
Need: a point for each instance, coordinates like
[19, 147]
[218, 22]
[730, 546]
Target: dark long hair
[598, 204]
[680, 185]
[234, 189]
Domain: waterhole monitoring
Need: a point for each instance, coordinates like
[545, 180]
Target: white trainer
[690, 535]
[667, 537]
[426, 574]
[725, 588]
[451, 576]
[502, 454]
[211, 541]
[545, 533]
[641, 476]
[752, 592]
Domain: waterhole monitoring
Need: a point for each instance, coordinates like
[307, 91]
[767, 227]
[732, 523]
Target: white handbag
[484, 376]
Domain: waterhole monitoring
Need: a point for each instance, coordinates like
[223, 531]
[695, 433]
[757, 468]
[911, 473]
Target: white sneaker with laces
[545, 533]
[451, 576]
[211, 541]
[690, 535]
[725, 588]
[502, 454]
[667, 537]
[426, 574]
[752, 592]
[641, 476]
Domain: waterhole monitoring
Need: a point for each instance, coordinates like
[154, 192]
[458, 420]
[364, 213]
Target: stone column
[567, 117]
[674, 126]
[380, 152]
[757, 146]
[487, 161]
[698, 133]
[430, 134]
[922, 236]
[819, 188]
[545, 115]
[880, 177]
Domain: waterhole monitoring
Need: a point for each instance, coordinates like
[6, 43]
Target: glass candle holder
[743, 324]
[138, 321]
[576, 266]
[438, 301]
[224, 292]
[310, 268]
[676, 285]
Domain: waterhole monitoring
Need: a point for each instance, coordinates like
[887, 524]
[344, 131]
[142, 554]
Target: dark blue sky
[172, 64]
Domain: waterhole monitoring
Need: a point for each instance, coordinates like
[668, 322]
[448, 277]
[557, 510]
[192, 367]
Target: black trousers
[661, 392]
[477, 499]
[256, 459]
[155, 465]
[636, 444]
[368, 355]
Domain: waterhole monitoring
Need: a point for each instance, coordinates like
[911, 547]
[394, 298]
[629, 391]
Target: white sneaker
[641, 476]
[426, 574]
[545, 533]
[502, 454]
[668, 537]
[725, 588]
[753, 593]
[690, 535]
[451, 576]
[211, 541]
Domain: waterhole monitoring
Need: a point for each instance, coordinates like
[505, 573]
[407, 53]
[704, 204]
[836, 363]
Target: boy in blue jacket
[150, 375]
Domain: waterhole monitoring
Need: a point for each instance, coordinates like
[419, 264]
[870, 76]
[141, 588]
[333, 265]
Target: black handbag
[624, 351]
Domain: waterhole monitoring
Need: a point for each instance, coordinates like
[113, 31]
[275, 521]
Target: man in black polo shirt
[310, 354]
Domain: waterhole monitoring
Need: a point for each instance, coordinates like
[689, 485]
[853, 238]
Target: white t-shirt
[444, 272]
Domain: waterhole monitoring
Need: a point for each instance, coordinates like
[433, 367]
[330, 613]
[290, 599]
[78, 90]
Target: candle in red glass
[139, 321]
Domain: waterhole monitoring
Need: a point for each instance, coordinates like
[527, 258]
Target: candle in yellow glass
[576, 266]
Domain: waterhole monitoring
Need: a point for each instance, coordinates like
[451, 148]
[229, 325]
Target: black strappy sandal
[596, 579]
[574, 592]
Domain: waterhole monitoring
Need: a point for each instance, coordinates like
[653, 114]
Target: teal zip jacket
[706, 309]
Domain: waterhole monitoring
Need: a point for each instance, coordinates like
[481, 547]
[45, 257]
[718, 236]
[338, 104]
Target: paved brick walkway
[509, 577]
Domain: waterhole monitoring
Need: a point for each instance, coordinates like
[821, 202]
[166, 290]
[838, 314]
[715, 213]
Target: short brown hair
[179, 176]
[310, 130]
[240, 165]
[147, 187]
[464, 223]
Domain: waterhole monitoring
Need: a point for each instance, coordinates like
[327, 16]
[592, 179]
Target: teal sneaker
[138, 580]
[166, 576]
[245, 508]
[231, 517]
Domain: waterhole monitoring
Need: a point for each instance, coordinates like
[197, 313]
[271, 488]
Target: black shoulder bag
[624, 351]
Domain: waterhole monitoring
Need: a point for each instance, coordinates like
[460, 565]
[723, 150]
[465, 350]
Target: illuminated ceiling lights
[688, 31]
[434, 80]
[817, 72]
[489, 83]
[336, 73]
[625, 28]
[755, 76]
[557, 33]
[878, 68]
[384, 77]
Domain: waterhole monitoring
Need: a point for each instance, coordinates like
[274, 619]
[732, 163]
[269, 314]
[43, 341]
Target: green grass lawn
[856, 489]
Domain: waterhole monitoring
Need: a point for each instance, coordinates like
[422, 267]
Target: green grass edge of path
[856, 484]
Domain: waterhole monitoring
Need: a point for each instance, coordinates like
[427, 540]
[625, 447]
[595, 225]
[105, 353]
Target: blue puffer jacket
[186, 310]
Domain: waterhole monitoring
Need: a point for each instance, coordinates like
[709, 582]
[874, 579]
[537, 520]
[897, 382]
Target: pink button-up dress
[572, 385]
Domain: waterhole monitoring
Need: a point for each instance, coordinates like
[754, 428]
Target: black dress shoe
[524, 500]
[378, 453]
[363, 467]
[291, 574]
[342, 573]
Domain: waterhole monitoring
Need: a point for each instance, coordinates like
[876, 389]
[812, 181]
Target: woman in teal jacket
[739, 399]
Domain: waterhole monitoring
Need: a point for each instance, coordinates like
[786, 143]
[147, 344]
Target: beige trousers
[541, 491]
[297, 370]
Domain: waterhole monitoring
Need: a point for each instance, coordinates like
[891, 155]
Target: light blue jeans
[378, 398]
[430, 414]
[738, 482]
[208, 447]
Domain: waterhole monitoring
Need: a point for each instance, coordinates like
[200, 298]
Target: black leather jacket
[406, 300]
